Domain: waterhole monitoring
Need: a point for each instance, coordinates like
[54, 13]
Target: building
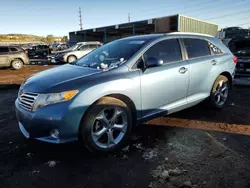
[155, 25]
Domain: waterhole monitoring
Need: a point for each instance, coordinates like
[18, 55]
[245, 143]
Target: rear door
[201, 63]
[4, 56]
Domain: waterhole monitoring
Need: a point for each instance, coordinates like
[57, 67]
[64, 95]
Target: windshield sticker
[136, 42]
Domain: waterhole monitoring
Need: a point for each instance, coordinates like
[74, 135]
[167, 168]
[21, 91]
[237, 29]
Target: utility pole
[128, 17]
[80, 18]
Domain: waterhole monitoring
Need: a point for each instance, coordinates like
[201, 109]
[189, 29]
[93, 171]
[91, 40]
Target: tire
[221, 93]
[16, 64]
[71, 59]
[97, 132]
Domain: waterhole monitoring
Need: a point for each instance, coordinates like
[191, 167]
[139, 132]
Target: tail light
[235, 60]
[25, 51]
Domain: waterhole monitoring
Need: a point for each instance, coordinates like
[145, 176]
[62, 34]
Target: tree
[65, 39]
[50, 38]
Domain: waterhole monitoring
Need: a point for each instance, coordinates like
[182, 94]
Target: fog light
[54, 133]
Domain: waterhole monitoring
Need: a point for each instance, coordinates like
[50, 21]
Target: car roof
[6, 46]
[156, 36]
[90, 42]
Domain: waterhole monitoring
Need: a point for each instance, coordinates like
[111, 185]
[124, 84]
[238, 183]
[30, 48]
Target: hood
[55, 79]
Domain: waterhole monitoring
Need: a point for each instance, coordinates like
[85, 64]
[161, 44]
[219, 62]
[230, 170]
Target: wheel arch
[71, 55]
[121, 97]
[229, 77]
[128, 102]
[17, 59]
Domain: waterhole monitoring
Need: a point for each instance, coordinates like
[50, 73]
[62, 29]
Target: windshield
[74, 47]
[112, 54]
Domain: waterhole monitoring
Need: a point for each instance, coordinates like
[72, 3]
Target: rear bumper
[26, 61]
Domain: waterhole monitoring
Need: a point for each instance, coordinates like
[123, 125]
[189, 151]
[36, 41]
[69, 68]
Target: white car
[75, 52]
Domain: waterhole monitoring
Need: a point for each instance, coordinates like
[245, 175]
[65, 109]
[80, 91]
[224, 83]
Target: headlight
[52, 98]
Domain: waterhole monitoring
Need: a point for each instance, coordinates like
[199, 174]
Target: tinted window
[214, 49]
[167, 50]
[196, 48]
[84, 47]
[4, 49]
[14, 49]
[92, 46]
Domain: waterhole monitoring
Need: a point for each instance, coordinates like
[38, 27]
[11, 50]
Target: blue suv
[100, 97]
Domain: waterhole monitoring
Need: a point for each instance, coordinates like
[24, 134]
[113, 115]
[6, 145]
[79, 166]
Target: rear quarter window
[196, 48]
[214, 49]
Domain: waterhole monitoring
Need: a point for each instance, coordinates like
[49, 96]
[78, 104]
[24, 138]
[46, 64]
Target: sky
[59, 17]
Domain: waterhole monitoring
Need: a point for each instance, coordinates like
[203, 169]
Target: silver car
[100, 97]
[75, 52]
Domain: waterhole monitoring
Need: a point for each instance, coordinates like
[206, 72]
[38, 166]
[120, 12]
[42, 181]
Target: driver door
[165, 87]
[83, 50]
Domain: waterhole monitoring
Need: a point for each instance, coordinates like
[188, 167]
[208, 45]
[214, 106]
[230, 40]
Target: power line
[225, 15]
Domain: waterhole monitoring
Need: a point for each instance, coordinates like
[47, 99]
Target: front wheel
[220, 93]
[71, 59]
[106, 126]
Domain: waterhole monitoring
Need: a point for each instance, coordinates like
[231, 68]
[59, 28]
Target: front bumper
[38, 125]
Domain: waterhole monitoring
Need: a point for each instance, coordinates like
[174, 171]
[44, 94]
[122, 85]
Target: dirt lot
[197, 147]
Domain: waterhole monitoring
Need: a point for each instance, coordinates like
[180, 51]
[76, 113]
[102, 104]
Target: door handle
[182, 70]
[214, 62]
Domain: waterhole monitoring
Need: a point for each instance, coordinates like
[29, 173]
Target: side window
[4, 50]
[196, 48]
[13, 49]
[92, 46]
[214, 49]
[84, 47]
[167, 50]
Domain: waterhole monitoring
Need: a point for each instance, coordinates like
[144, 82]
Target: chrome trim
[27, 99]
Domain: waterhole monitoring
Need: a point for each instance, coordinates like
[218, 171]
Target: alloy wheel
[109, 127]
[221, 93]
[71, 59]
[17, 64]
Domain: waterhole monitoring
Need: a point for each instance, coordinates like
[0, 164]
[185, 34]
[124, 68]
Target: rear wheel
[220, 93]
[106, 126]
[17, 64]
[71, 59]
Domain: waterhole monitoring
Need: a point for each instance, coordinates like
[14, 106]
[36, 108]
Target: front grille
[26, 100]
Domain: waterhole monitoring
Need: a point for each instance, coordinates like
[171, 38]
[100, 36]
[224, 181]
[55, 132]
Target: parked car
[13, 56]
[99, 98]
[62, 47]
[240, 47]
[42, 50]
[75, 52]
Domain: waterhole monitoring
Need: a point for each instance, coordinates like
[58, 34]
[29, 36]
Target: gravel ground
[197, 147]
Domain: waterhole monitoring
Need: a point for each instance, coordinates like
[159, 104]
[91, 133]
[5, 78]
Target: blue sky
[58, 17]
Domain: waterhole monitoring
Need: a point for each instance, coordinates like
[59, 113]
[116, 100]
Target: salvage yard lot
[203, 147]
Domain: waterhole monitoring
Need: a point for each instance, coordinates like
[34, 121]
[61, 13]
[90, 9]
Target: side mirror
[154, 62]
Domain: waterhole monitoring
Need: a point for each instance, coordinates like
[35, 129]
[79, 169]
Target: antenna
[128, 17]
[80, 18]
